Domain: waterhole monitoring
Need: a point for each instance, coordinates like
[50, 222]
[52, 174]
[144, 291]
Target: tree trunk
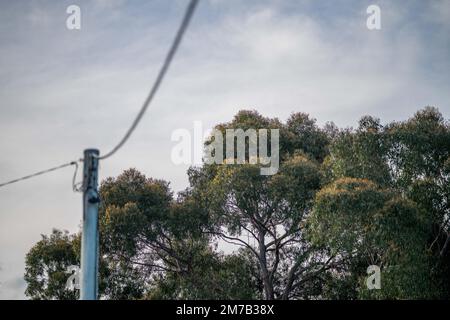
[268, 285]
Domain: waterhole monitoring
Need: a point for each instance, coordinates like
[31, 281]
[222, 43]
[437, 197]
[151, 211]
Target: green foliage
[411, 159]
[212, 275]
[360, 153]
[342, 200]
[264, 214]
[302, 134]
[344, 213]
[46, 266]
[355, 217]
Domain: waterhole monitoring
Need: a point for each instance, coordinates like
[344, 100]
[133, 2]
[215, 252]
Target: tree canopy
[341, 201]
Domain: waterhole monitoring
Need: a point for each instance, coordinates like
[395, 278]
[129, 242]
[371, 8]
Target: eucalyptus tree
[265, 214]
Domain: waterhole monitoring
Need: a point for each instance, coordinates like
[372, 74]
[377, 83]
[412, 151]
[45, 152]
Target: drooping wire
[173, 49]
[40, 173]
[181, 30]
[77, 186]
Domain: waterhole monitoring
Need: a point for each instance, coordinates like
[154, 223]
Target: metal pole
[89, 241]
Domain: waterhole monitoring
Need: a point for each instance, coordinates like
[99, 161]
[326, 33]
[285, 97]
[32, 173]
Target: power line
[173, 49]
[40, 173]
[184, 24]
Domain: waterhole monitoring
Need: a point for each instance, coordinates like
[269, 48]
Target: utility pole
[89, 241]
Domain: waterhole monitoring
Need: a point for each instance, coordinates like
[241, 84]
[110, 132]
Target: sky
[62, 91]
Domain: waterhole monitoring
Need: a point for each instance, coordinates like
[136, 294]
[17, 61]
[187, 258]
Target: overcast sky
[62, 91]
